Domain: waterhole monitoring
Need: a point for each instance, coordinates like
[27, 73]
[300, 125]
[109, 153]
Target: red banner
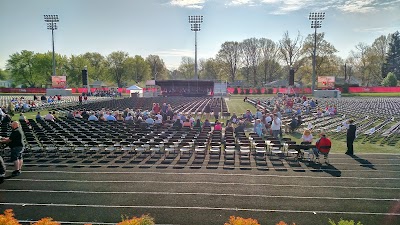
[374, 89]
[23, 90]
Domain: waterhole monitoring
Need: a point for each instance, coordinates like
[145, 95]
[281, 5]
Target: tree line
[254, 60]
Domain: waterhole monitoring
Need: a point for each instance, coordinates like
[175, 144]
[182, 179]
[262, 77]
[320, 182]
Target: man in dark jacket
[351, 135]
[16, 143]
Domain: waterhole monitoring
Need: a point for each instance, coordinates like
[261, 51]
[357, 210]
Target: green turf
[371, 95]
[236, 104]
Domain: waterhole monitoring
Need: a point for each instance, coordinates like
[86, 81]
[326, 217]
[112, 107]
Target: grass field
[236, 104]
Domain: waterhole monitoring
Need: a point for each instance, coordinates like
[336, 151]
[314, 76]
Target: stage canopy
[186, 87]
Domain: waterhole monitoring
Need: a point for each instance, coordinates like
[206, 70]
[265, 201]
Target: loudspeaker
[84, 77]
[291, 77]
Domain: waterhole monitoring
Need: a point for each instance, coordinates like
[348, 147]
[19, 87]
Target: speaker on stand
[85, 81]
[84, 77]
[290, 90]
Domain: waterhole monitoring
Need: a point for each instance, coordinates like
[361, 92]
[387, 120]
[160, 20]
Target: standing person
[16, 143]
[207, 111]
[276, 126]
[351, 135]
[80, 99]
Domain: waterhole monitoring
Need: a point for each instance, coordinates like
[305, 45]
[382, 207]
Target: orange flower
[46, 221]
[8, 218]
[283, 223]
[241, 221]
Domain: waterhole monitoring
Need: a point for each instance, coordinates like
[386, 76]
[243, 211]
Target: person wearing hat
[351, 135]
[323, 145]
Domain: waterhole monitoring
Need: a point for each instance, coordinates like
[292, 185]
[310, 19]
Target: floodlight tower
[195, 22]
[316, 21]
[52, 21]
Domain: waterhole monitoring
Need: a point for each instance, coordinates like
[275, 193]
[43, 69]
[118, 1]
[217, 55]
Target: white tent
[135, 89]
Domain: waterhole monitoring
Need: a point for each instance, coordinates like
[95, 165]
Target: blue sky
[143, 27]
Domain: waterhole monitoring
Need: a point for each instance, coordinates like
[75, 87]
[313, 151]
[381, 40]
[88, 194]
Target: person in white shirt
[129, 117]
[49, 117]
[307, 136]
[159, 116]
[276, 126]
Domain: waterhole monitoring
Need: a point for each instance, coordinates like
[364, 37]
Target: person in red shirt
[323, 145]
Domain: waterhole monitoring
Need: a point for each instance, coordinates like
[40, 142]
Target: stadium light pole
[195, 22]
[52, 21]
[316, 21]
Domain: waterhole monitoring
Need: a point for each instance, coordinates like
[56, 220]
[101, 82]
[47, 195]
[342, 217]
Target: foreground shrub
[8, 218]
[46, 221]
[344, 222]
[143, 220]
[283, 223]
[241, 221]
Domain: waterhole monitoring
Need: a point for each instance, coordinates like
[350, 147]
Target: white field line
[205, 183]
[363, 168]
[199, 208]
[200, 194]
[208, 174]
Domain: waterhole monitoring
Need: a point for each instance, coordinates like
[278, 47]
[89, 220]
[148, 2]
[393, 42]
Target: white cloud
[360, 6]
[379, 30]
[195, 4]
[350, 6]
[175, 52]
[241, 2]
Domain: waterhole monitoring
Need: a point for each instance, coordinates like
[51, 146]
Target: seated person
[293, 124]
[49, 117]
[177, 124]
[149, 121]
[240, 127]
[93, 117]
[229, 127]
[198, 124]
[218, 125]
[234, 118]
[323, 145]
[307, 136]
[206, 123]
[187, 124]
[38, 117]
[22, 117]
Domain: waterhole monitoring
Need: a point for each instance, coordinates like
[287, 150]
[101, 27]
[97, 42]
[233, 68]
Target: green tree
[74, 69]
[393, 56]
[20, 66]
[4, 75]
[212, 69]
[390, 80]
[186, 68]
[269, 65]
[43, 64]
[117, 67]
[158, 69]
[325, 54]
[229, 56]
[138, 69]
[251, 53]
[97, 68]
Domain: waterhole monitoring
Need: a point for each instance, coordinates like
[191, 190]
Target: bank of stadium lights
[52, 21]
[316, 22]
[195, 25]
